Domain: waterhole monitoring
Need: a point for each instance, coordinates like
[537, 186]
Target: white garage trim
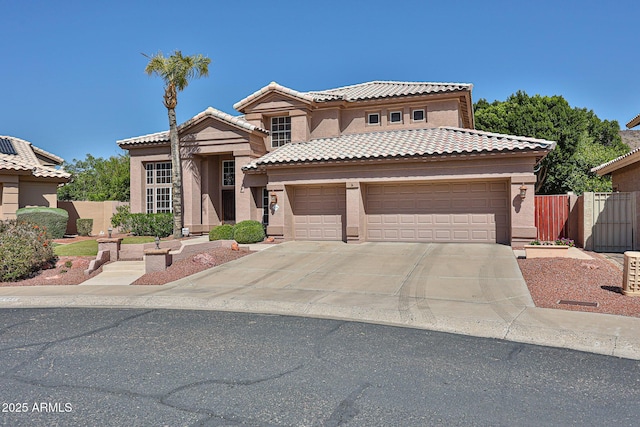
[461, 211]
[319, 212]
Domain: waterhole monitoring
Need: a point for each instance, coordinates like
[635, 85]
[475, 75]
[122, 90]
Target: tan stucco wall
[35, 193]
[9, 200]
[627, 179]
[438, 113]
[100, 212]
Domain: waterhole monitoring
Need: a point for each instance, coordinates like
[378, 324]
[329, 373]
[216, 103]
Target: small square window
[417, 115]
[395, 117]
[373, 118]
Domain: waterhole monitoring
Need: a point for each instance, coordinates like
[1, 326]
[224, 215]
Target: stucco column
[587, 221]
[191, 194]
[523, 220]
[245, 204]
[277, 226]
[10, 196]
[354, 212]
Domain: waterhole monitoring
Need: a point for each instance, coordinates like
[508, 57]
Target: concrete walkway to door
[472, 289]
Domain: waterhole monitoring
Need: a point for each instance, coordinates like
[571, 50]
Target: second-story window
[395, 117]
[280, 131]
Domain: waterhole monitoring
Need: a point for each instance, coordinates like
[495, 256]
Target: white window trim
[287, 132]
[424, 115]
[391, 113]
[224, 163]
[157, 176]
[369, 119]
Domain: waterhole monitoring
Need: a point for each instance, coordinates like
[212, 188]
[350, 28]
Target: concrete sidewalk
[467, 289]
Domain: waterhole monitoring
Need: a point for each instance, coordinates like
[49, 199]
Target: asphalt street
[113, 367]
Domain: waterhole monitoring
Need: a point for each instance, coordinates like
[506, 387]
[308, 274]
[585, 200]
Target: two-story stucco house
[377, 161]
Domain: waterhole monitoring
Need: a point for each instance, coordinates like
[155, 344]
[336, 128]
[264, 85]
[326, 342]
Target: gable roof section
[386, 89]
[359, 92]
[272, 87]
[26, 160]
[159, 137]
[634, 122]
[618, 163]
[405, 143]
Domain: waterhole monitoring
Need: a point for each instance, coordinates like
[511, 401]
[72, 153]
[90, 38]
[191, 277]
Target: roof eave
[538, 153]
[619, 163]
[634, 122]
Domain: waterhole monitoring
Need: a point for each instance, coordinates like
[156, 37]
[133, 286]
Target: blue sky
[73, 78]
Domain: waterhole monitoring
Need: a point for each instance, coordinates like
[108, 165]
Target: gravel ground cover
[597, 281]
[191, 265]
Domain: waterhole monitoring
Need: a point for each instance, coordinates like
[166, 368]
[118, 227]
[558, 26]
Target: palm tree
[176, 71]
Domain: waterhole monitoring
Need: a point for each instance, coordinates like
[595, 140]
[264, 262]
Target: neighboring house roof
[236, 121]
[618, 163]
[26, 159]
[634, 122]
[631, 138]
[359, 92]
[399, 143]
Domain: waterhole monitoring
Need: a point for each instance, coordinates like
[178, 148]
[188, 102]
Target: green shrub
[248, 232]
[84, 226]
[221, 232]
[122, 219]
[24, 248]
[158, 224]
[53, 219]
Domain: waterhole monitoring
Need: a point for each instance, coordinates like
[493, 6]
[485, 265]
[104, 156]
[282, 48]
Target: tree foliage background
[97, 179]
[583, 141]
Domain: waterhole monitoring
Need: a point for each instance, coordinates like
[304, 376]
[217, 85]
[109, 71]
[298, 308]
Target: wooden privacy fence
[552, 217]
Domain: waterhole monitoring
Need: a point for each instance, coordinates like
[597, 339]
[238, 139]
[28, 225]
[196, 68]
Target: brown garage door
[438, 212]
[319, 212]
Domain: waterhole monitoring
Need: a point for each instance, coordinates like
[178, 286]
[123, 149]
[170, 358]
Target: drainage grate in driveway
[581, 303]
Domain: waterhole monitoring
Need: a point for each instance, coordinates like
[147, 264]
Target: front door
[229, 206]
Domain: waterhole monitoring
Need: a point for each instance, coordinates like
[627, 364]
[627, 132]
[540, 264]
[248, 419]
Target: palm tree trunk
[176, 174]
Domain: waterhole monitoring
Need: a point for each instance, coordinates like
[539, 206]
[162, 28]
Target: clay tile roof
[25, 160]
[271, 87]
[617, 163]
[400, 143]
[386, 89]
[359, 92]
[237, 121]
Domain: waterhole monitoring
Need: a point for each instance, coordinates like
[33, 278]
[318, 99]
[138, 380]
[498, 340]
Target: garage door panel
[318, 212]
[438, 212]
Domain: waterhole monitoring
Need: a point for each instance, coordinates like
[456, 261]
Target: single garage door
[319, 212]
[438, 212]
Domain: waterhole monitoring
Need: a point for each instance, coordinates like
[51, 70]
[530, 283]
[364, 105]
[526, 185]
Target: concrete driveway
[467, 286]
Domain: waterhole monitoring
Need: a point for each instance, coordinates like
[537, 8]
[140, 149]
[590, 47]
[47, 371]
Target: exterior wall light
[273, 199]
[523, 191]
[109, 230]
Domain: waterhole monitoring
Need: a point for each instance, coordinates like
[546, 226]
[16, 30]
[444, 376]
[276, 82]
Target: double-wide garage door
[438, 212]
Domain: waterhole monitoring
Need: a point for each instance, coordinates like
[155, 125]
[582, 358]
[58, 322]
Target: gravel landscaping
[580, 282]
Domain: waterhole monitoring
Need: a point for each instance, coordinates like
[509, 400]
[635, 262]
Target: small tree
[176, 71]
